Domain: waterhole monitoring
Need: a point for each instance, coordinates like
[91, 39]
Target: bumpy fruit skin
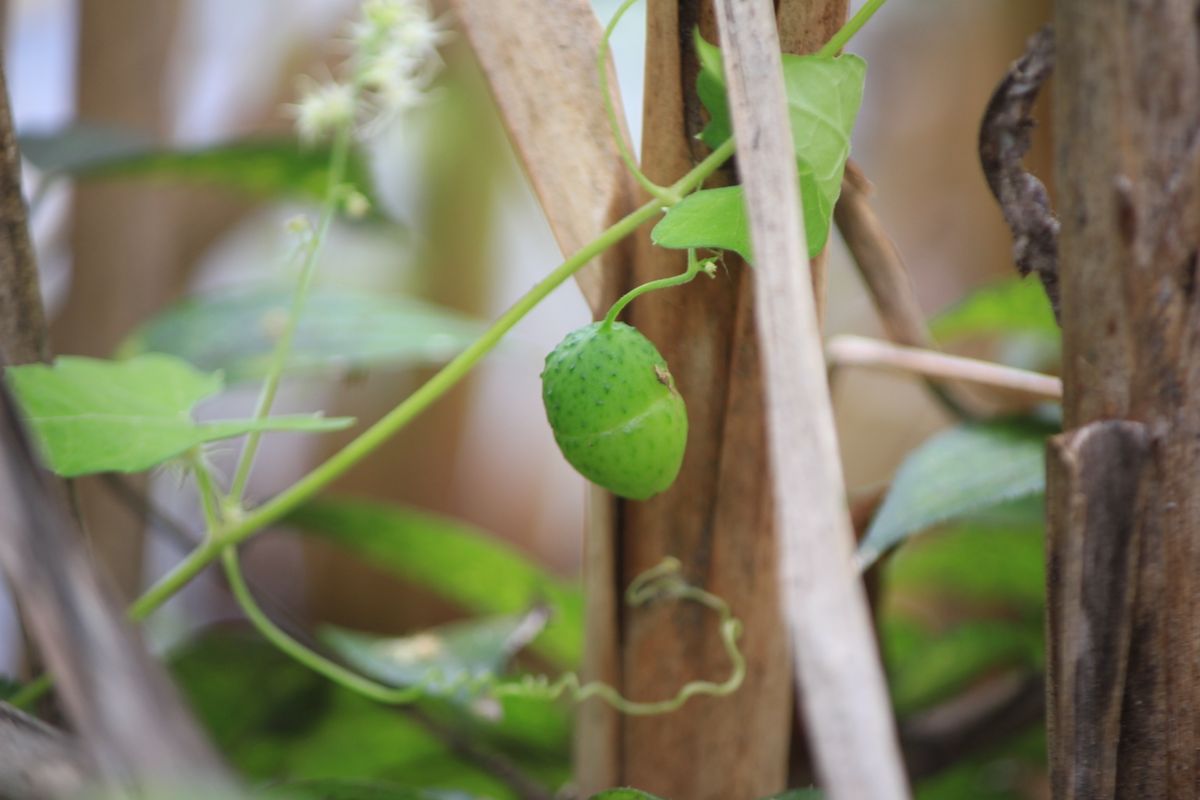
[614, 409]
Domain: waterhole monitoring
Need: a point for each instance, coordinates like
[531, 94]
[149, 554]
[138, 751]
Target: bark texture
[1124, 510]
[22, 322]
[845, 703]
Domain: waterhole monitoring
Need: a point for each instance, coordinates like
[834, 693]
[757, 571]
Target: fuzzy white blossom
[323, 109]
[393, 63]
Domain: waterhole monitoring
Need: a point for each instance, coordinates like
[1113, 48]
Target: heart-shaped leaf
[823, 95]
[712, 218]
[92, 415]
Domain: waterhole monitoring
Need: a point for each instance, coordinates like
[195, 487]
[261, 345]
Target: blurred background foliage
[162, 171]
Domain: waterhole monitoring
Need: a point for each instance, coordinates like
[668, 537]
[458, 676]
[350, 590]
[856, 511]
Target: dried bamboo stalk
[845, 702]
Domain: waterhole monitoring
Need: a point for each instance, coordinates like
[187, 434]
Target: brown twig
[526, 786]
[879, 262]
[22, 323]
[882, 269]
[1004, 139]
[145, 508]
[971, 723]
[38, 762]
[860, 351]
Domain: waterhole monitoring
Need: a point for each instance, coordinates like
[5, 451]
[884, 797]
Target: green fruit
[614, 409]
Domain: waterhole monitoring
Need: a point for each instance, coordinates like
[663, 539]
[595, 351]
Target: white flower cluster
[394, 60]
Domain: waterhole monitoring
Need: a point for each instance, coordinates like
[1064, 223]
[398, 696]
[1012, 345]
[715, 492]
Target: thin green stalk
[31, 692]
[309, 658]
[663, 193]
[839, 39]
[237, 530]
[695, 267]
[338, 159]
[208, 493]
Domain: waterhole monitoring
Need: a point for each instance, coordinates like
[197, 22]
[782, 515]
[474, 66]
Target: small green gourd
[614, 409]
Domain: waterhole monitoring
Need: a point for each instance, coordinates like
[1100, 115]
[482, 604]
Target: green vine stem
[236, 529]
[661, 582]
[847, 31]
[209, 497]
[338, 159]
[664, 194]
[695, 267]
[240, 527]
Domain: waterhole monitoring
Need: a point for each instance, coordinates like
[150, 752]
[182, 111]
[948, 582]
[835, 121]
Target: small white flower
[398, 94]
[357, 205]
[323, 109]
[393, 65]
[394, 62]
[421, 35]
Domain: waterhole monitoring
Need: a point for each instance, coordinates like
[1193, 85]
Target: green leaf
[823, 95]
[463, 564]
[712, 218]
[956, 473]
[349, 789]
[91, 415]
[275, 720]
[1004, 772]
[977, 561]
[440, 658]
[624, 794]
[1011, 306]
[942, 666]
[340, 329]
[269, 167]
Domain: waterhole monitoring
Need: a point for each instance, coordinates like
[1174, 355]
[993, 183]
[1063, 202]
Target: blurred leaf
[1010, 306]
[1008, 772]
[357, 790]
[92, 415]
[252, 699]
[339, 330]
[74, 147]
[464, 652]
[625, 794]
[9, 686]
[958, 472]
[976, 561]
[271, 168]
[461, 563]
[277, 721]
[713, 218]
[940, 667]
[345, 789]
[824, 95]
[445, 656]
